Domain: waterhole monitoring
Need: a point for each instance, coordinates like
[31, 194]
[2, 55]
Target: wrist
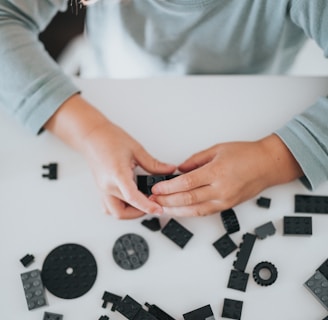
[282, 167]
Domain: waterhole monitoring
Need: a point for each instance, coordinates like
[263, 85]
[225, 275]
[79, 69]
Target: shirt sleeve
[306, 135]
[32, 85]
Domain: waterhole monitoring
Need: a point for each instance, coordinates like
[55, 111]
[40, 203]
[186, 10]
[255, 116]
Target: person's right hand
[112, 155]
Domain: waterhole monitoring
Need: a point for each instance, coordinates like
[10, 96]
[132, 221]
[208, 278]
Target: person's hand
[225, 175]
[112, 155]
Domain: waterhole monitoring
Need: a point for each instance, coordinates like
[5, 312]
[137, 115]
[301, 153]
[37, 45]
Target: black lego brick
[230, 221]
[146, 182]
[325, 318]
[152, 224]
[263, 202]
[109, 297]
[177, 233]
[203, 313]
[144, 315]
[267, 229]
[224, 245]
[232, 309]
[158, 313]
[52, 316]
[311, 204]
[245, 249]
[52, 173]
[128, 307]
[324, 269]
[27, 260]
[238, 280]
[317, 284]
[297, 225]
[104, 318]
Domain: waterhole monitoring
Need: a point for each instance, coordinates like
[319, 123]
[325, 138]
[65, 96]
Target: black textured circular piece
[69, 271]
[130, 251]
[270, 267]
[230, 221]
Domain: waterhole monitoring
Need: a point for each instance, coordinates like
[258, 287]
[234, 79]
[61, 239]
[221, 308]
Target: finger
[151, 164]
[121, 210]
[188, 181]
[137, 199]
[198, 210]
[187, 198]
[197, 160]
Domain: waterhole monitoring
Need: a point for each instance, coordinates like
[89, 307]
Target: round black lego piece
[271, 268]
[130, 251]
[69, 271]
[230, 221]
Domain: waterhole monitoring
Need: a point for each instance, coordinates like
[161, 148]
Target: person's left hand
[225, 175]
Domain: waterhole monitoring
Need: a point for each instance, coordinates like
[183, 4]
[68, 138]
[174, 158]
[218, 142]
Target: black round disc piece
[130, 251]
[69, 271]
[271, 268]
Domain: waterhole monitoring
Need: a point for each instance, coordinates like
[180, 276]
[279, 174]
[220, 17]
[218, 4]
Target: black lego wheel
[130, 251]
[230, 221]
[69, 271]
[273, 273]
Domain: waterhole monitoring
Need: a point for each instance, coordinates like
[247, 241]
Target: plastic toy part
[146, 182]
[27, 260]
[128, 307]
[318, 286]
[224, 245]
[158, 313]
[298, 226]
[265, 230]
[203, 313]
[109, 297]
[69, 271]
[244, 253]
[263, 202]
[152, 224]
[144, 315]
[52, 171]
[265, 281]
[325, 318]
[104, 318]
[34, 290]
[177, 233]
[238, 280]
[311, 204]
[324, 269]
[130, 251]
[230, 221]
[232, 309]
[52, 316]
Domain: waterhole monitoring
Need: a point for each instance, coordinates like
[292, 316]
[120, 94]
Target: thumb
[151, 164]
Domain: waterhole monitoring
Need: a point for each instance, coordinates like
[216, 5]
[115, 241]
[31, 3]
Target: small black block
[128, 307]
[146, 182]
[311, 204]
[224, 245]
[263, 202]
[158, 313]
[238, 280]
[27, 260]
[202, 313]
[232, 309]
[177, 233]
[297, 225]
[152, 224]
[265, 230]
[52, 316]
[109, 297]
[244, 252]
[52, 171]
[144, 315]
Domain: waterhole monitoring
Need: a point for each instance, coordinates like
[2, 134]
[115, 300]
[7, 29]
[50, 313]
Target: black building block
[27, 260]
[230, 221]
[146, 182]
[177, 233]
[238, 280]
[244, 252]
[297, 225]
[144, 315]
[324, 269]
[128, 307]
[317, 284]
[203, 313]
[152, 224]
[265, 230]
[104, 318]
[232, 309]
[311, 204]
[52, 316]
[325, 318]
[52, 171]
[263, 202]
[224, 245]
[109, 297]
[158, 313]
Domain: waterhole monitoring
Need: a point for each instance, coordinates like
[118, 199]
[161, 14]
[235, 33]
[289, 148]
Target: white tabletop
[172, 118]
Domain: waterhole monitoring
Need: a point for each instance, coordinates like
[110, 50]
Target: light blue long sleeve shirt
[141, 38]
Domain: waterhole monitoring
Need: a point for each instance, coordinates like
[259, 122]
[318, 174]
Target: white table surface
[172, 118]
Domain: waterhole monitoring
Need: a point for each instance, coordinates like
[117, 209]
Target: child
[138, 38]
